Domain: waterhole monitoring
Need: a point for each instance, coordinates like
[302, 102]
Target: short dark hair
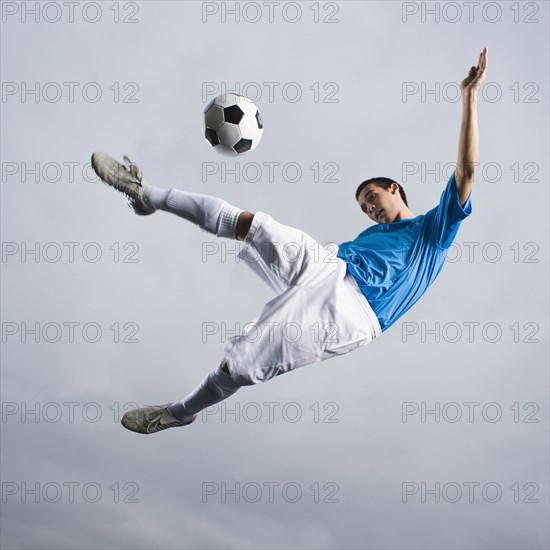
[385, 183]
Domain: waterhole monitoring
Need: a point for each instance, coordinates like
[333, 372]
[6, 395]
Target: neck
[404, 214]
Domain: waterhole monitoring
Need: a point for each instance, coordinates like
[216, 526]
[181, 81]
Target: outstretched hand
[476, 75]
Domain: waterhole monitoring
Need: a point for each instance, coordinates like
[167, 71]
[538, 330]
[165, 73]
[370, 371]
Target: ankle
[154, 196]
[177, 410]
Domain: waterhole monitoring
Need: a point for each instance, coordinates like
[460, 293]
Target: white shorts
[319, 311]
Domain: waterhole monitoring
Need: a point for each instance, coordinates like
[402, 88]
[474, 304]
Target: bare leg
[243, 224]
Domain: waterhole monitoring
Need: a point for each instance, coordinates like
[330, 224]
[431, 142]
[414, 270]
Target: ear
[395, 187]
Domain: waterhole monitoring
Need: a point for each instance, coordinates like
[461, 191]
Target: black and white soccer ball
[232, 124]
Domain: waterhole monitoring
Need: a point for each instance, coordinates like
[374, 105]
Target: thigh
[287, 254]
[303, 325]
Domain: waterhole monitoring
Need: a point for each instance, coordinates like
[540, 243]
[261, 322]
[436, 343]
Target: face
[379, 204]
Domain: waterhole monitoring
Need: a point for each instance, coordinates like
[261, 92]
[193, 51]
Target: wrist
[469, 97]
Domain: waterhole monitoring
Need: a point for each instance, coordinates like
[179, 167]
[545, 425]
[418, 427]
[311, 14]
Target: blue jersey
[395, 263]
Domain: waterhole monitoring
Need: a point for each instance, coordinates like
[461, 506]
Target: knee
[224, 366]
[243, 224]
[241, 380]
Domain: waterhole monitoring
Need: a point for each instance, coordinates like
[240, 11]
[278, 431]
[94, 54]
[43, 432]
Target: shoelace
[133, 169]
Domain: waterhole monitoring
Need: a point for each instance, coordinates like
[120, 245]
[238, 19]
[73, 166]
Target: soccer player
[351, 297]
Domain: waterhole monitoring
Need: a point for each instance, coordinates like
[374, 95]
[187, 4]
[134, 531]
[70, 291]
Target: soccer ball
[232, 124]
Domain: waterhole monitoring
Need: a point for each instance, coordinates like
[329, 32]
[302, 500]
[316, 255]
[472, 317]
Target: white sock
[217, 386]
[210, 213]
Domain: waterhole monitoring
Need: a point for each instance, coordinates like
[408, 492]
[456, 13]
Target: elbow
[465, 170]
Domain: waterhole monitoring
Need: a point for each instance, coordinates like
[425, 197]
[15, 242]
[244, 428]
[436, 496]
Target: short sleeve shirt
[395, 263]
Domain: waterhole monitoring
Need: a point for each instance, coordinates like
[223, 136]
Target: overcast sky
[127, 309]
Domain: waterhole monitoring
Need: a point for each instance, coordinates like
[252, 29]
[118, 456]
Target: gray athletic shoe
[149, 420]
[126, 178]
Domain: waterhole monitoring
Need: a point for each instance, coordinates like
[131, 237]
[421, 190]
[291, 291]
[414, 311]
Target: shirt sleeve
[446, 217]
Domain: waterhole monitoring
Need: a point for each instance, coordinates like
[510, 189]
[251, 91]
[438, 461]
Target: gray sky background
[363, 457]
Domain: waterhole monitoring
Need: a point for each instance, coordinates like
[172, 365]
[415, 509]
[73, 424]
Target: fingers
[483, 58]
[476, 75]
[482, 64]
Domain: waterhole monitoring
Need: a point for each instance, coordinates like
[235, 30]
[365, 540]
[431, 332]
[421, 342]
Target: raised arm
[468, 143]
